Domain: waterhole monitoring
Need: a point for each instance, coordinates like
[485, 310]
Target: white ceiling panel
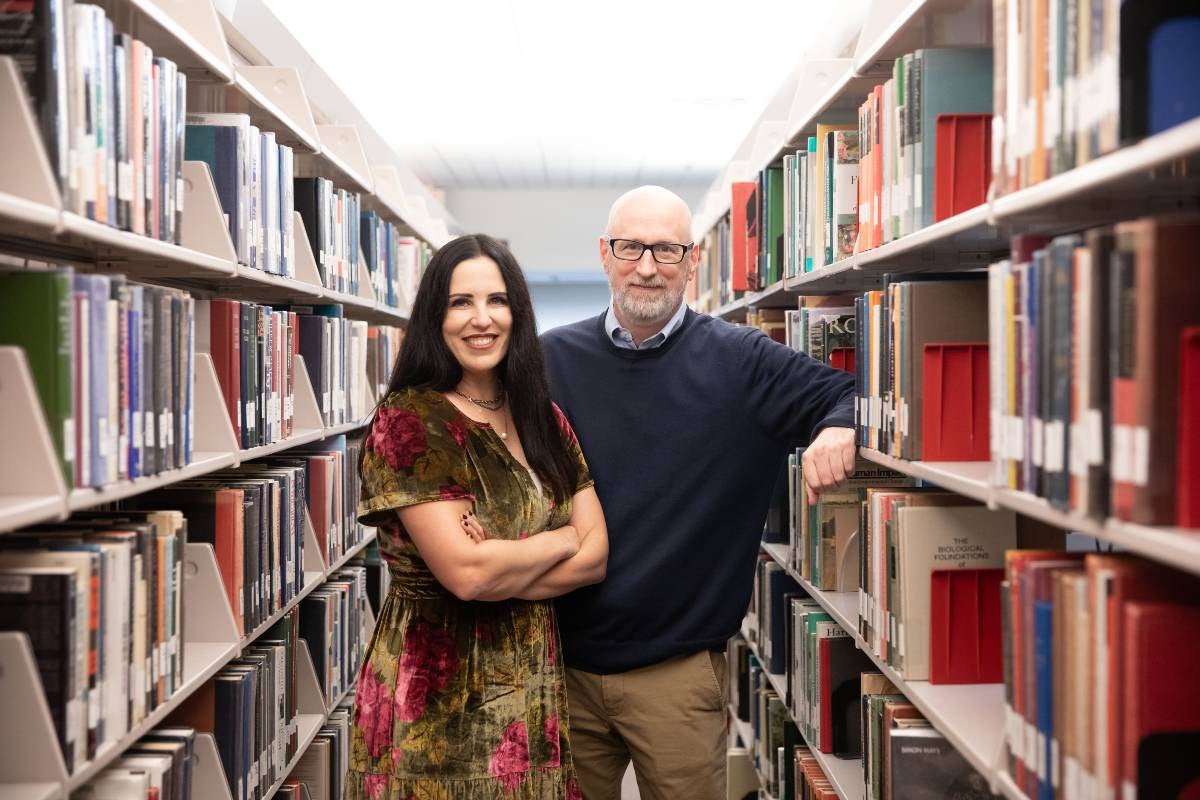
[527, 93]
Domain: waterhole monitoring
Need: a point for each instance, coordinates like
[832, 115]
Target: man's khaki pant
[669, 718]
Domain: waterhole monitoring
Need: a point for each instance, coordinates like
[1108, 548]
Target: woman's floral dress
[456, 700]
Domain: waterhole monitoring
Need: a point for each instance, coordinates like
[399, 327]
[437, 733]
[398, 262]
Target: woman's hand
[471, 525]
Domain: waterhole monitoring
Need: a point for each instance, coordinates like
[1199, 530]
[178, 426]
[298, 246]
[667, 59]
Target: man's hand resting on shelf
[828, 461]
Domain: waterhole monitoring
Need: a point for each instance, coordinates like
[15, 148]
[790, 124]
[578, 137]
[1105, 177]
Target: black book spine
[1100, 243]
[43, 608]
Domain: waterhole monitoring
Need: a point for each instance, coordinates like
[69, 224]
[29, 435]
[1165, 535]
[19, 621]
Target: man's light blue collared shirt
[624, 339]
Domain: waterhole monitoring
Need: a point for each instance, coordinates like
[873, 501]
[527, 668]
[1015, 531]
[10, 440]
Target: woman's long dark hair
[426, 362]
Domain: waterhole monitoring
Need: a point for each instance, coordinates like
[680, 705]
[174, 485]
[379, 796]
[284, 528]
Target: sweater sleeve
[794, 396]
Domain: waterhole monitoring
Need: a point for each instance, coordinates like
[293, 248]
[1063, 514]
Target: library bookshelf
[1151, 176]
[225, 72]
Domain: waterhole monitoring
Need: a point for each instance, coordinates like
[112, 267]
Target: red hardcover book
[877, 166]
[1161, 699]
[1187, 472]
[1121, 580]
[823, 696]
[225, 332]
[320, 482]
[1167, 298]
[229, 537]
[964, 635]
[963, 163]
[743, 233]
[954, 415]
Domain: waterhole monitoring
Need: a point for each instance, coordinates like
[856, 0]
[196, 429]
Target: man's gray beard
[648, 311]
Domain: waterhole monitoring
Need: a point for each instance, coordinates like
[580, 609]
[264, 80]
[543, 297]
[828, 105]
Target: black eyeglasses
[663, 252]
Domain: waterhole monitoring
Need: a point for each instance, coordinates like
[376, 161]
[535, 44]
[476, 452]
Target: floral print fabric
[457, 700]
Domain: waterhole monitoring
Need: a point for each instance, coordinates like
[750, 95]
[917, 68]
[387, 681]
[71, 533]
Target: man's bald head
[651, 204]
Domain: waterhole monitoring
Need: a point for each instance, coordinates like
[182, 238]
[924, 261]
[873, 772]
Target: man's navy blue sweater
[684, 443]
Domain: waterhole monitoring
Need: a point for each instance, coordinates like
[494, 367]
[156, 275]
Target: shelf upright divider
[31, 480]
[29, 751]
[29, 193]
[203, 227]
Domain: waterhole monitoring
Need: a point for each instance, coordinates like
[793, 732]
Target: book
[927, 767]
[37, 315]
[940, 538]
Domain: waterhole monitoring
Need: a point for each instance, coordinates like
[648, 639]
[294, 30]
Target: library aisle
[985, 213]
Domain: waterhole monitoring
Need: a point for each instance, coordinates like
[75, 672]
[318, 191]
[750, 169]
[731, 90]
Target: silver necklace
[491, 405]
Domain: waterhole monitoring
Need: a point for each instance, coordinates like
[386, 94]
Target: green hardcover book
[810, 202]
[874, 755]
[774, 228]
[36, 313]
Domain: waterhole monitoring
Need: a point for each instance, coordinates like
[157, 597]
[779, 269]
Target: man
[684, 421]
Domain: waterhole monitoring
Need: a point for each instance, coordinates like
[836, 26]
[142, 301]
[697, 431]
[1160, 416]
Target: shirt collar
[624, 339]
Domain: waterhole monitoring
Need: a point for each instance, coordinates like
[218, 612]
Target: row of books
[907, 404]
[1077, 80]
[253, 346]
[112, 361]
[332, 218]
[1095, 342]
[945, 596]
[904, 755]
[1099, 700]
[847, 710]
[321, 771]
[100, 598]
[110, 113]
[335, 351]
[777, 744]
[254, 519]
[926, 146]
[159, 766]
[379, 578]
[251, 707]
[254, 177]
[1072, 368]
[394, 261]
[383, 346]
[858, 184]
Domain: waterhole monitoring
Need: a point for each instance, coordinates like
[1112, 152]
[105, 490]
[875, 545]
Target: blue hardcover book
[779, 584]
[134, 325]
[1030, 386]
[1043, 661]
[96, 288]
[222, 147]
[1173, 93]
[953, 80]
[390, 266]
[229, 719]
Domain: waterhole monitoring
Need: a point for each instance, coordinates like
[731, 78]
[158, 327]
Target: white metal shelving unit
[35, 225]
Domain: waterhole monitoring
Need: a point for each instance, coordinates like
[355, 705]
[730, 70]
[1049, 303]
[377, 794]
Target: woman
[485, 510]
